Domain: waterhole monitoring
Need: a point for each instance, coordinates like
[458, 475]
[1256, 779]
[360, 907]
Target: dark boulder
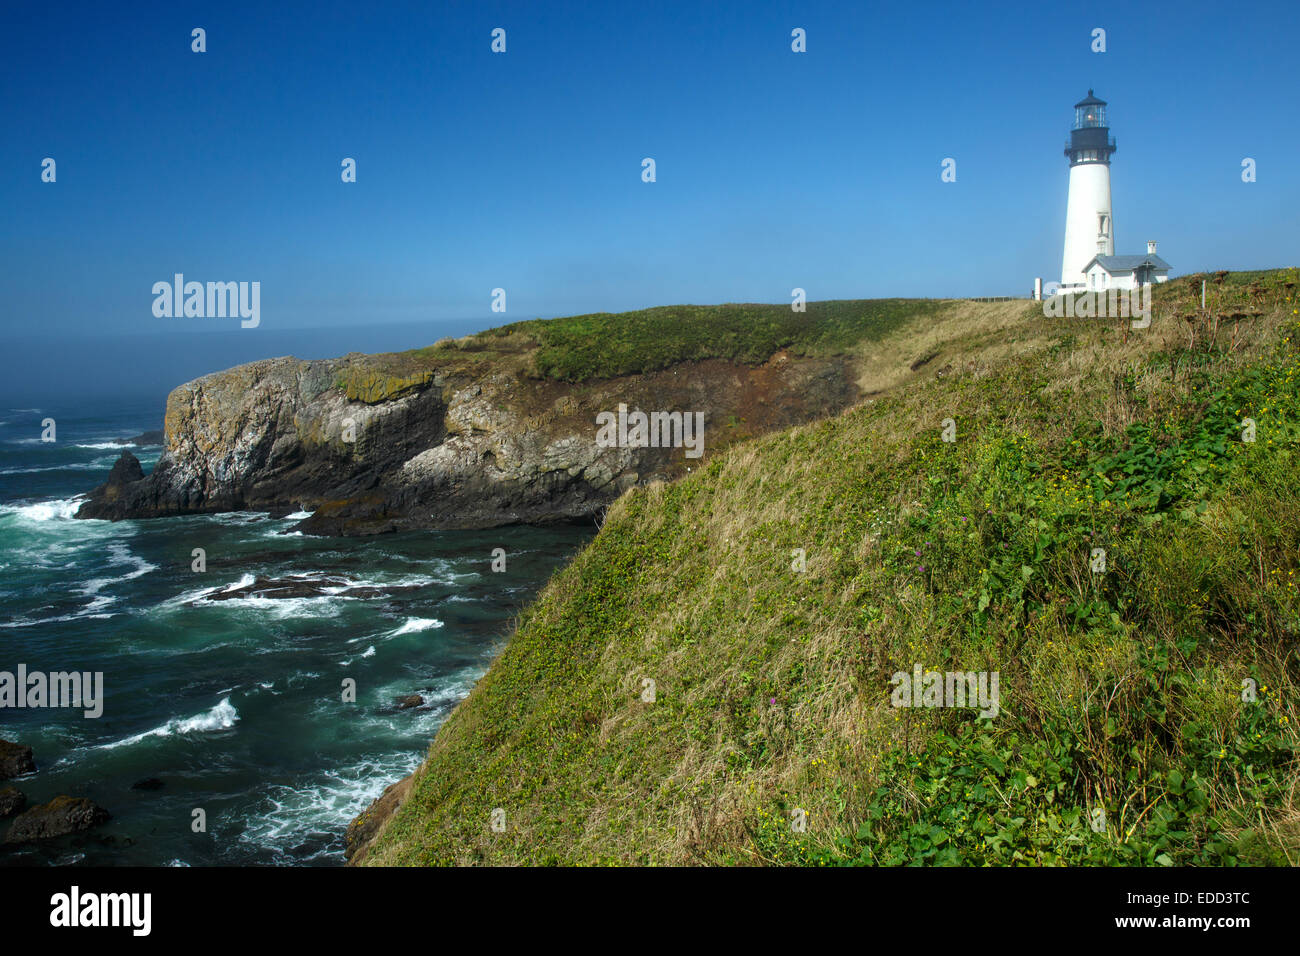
[106, 501]
[126, 469]
[15, 760]
[11, 801]
[409, 700]
[60, 817]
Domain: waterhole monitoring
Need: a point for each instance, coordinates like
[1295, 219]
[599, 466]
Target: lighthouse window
[1086, 116]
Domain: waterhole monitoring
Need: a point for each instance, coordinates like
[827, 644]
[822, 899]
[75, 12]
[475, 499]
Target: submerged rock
[15, 760]
[11, 801]
[408, 701]
[149, 783]
[146, 439]
[60, 817]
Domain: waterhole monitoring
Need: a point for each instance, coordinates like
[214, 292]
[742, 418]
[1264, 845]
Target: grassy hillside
[1121, 691]
[606, 344]
[581, 348]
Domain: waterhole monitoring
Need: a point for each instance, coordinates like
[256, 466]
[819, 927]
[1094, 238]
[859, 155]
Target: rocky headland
[461, 435]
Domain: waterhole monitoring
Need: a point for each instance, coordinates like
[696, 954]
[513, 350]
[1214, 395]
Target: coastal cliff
[496, 428]
[444, 447]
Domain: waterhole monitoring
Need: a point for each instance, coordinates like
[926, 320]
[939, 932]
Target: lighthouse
[1089, 229]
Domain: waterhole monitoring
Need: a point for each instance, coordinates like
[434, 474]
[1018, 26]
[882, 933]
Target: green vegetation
[604, 345]
[582, 348]
[1125, 735]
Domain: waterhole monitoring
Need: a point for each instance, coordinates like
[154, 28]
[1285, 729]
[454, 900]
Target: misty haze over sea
[47, 370]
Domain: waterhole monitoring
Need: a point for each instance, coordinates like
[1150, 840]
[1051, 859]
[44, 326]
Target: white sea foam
[451, 689]
[303, 677]
[96, 465]
[403, 581]
[415, 624]
[79, 616]
[368, 652]
[452, 693]
[46, 513]
[221, 717]
[60, 509]
[186, 598]
[279, 609]
[412, 625]
[236, 517]
[347, 583]
[120, 554]
[287, 817]
[101, 445]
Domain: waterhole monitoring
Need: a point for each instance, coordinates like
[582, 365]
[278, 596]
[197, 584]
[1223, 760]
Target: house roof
[1116, 264]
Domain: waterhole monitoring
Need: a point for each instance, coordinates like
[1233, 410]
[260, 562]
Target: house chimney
[1151, 247]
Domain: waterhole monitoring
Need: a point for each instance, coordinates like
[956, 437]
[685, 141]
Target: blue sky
[523, 170]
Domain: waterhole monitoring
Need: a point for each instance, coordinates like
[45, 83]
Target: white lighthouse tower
[1089, 229]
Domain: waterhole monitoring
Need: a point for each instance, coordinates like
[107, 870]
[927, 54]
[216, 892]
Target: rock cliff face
[452, 439]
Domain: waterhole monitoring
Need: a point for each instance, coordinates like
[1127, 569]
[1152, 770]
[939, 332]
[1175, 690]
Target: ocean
[233, 707]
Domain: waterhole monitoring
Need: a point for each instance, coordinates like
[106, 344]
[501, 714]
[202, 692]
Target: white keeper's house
[1126, 272]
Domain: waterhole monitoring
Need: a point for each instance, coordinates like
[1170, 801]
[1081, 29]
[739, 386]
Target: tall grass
[1148, 712]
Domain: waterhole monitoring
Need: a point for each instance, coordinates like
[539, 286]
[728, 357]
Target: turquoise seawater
[236, 705]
